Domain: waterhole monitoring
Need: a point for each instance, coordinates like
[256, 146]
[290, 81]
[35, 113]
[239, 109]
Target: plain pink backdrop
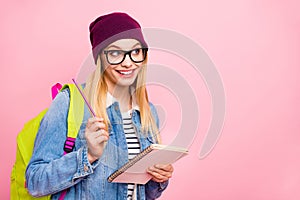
[255, 46]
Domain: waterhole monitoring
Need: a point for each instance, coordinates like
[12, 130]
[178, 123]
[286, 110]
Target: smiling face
[125, 72]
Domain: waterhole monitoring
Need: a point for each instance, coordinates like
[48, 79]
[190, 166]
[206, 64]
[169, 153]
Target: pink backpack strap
[68, 147]
[62, 195]
[55, 89]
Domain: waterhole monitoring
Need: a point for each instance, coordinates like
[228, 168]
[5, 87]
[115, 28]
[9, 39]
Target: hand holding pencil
[96, 137]
[95, 132]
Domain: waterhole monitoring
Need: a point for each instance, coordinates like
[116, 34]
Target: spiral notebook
[134, 171]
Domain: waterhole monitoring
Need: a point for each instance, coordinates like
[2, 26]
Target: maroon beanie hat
[109, 28]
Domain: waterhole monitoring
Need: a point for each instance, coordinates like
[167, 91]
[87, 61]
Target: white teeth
[126, 72]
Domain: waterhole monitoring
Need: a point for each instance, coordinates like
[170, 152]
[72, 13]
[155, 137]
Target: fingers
[101, 133]
[161, 173]
[158, 177]
[167, 168]
[93, 119]
[95, 132]
[95, 124]
[96, 136]
[101, 136]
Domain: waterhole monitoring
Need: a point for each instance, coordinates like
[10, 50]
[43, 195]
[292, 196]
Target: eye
[135, 51]
[114, 53]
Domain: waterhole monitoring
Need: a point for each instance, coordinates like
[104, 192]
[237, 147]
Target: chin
[125, 83]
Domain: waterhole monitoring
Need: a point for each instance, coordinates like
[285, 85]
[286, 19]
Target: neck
[122, 94]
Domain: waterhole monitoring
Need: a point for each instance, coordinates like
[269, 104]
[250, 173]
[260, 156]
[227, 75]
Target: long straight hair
[96, 92]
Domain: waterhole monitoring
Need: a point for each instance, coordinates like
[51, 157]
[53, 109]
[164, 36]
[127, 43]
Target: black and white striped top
[133, 147]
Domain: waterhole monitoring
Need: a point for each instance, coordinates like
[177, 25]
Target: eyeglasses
[115, 57]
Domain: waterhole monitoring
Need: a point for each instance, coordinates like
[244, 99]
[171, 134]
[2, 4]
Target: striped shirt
[133, 148]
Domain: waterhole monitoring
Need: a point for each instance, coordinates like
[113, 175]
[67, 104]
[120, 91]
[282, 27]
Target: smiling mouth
[125, 72]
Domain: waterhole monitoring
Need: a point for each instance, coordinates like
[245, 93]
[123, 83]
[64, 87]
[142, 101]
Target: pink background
[255, 46]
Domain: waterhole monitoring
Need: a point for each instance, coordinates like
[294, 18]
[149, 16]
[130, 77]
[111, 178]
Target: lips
[125, 72]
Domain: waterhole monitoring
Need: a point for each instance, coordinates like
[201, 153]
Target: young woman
[126, 123]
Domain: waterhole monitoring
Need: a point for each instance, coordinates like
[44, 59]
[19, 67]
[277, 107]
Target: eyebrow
[117, 47]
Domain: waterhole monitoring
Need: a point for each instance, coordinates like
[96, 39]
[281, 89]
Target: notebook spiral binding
[130, 163]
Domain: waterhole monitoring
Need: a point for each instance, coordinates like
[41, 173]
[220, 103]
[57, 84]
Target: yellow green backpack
[25, 141]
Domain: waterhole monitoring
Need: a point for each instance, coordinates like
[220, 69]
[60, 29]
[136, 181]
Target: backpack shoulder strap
[75, 116]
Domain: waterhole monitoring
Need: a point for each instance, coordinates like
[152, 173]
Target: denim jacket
[50, 173]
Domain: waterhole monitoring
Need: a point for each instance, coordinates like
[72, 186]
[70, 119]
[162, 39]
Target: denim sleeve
[48, 172]
[155, 189]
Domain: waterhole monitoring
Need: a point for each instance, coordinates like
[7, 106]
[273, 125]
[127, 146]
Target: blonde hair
[96, 91]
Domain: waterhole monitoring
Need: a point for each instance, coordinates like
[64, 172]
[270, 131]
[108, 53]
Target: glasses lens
[115, 56]
[138, 55]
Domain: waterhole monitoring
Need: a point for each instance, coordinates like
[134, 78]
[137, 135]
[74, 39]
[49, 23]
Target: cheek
[138, 70]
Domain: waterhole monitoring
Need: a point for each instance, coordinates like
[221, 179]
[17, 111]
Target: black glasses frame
[126, 53]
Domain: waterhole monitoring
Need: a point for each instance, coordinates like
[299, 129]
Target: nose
[127, 61]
